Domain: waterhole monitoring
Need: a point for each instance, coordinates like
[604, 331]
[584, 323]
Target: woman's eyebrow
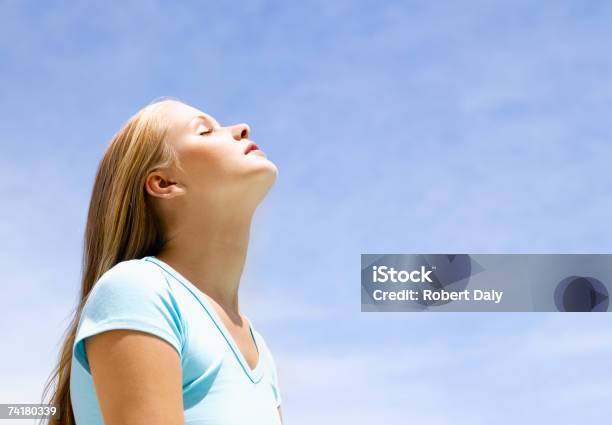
[207, 120]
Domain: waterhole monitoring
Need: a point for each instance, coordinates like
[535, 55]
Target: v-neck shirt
[219, 386]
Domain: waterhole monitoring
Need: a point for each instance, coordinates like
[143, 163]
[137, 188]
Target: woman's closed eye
[206, 131]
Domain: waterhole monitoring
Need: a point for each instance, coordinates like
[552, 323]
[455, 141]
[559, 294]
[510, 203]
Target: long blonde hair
[121, 223]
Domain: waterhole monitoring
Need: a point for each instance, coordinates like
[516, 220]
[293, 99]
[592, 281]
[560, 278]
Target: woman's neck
[211, 255]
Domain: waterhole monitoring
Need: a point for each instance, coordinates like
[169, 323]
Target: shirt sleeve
[273, 372]
[134, 295]
[275, 386]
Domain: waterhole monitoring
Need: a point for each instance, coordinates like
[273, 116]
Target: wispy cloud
[554, 370]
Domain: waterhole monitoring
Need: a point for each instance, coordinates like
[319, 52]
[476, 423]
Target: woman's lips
[251, 147]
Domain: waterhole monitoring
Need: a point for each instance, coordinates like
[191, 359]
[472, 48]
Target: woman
[158, 336]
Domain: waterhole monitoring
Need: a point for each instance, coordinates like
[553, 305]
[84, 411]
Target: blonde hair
[121, 222]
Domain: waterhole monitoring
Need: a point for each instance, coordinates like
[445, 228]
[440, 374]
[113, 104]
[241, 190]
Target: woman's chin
[263, 163]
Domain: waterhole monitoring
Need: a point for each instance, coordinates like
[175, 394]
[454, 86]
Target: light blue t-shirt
[219, 386]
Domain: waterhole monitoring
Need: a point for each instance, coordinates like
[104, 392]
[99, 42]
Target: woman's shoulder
[129, 282]
[132, 294]
[132, 274]
[132, 269]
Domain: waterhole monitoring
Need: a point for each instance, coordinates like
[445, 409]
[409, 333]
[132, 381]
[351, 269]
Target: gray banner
[486, 282]
[29, 411]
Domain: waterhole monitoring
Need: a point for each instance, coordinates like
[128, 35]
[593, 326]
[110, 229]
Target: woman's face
[215, 165]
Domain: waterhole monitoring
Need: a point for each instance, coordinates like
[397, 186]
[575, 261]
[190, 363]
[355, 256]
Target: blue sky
[397, 127]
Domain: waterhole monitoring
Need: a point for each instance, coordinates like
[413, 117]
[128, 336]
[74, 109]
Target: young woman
[158, 337]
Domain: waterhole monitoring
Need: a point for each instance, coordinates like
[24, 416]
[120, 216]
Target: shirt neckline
[255, 374]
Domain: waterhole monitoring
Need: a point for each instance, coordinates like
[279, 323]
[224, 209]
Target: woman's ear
[160, 184]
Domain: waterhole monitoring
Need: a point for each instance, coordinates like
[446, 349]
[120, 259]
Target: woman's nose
[241, 131]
